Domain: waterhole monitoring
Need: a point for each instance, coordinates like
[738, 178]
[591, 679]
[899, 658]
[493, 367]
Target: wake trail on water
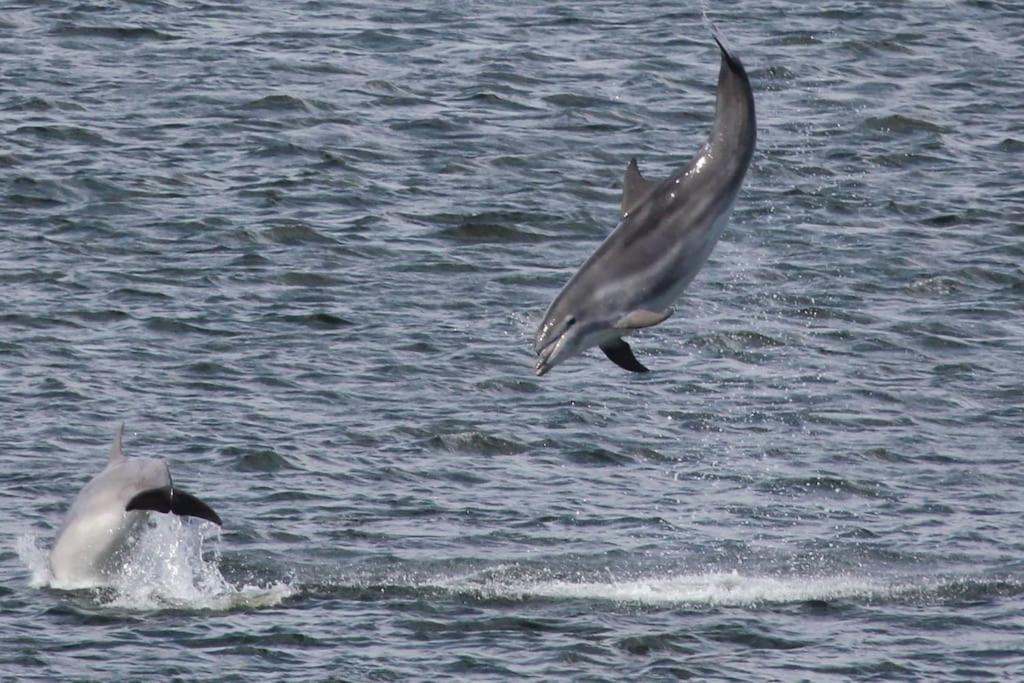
[166, 569]
[714, 588]
[735, 589]
[711, 588]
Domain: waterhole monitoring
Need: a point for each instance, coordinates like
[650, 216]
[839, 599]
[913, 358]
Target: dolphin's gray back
[660, 244]
[98, 526]
[115, 486]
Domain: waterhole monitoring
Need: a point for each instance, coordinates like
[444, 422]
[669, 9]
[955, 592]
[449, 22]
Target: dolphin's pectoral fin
[642, 317]
[634, 187]
[619, 353]
[176, 501]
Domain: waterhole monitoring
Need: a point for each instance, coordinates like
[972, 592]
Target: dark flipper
[186, 505]
[619, 353]
[167, 499]
[153, 499]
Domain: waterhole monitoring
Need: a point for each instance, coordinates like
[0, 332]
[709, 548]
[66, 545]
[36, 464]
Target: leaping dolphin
[108, 513]
[666, 232]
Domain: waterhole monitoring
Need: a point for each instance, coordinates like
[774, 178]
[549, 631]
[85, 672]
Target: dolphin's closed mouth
[545, 353]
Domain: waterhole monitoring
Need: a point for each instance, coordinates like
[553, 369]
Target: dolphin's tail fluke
[175, 501]
[724, 46]
[735, 128]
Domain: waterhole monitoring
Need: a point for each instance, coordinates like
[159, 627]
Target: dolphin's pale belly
[686, 270]
[89, 549]
[678, 268]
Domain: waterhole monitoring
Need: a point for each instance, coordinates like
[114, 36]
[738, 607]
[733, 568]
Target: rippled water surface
[302, 248]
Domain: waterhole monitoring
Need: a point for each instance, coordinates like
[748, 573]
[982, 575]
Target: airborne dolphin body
[108, 514]
[666, 233]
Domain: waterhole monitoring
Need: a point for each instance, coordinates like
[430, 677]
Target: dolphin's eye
[570, 322]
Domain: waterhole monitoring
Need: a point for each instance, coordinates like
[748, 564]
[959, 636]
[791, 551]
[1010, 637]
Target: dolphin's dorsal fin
[634, 187]
[116, 452]
[619, 353]
[642, 317]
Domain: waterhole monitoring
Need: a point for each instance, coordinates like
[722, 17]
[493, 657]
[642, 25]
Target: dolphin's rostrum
[666, 232]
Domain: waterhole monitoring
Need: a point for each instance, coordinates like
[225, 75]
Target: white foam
[711, 588]
[35, 558]
[721, 588]
[166, 569]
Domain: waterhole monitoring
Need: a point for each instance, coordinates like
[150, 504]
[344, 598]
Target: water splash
[170, 567]
[35, 558]
[705, 14]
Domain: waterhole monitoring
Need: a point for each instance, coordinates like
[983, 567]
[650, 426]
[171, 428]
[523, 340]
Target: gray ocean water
[301, 250]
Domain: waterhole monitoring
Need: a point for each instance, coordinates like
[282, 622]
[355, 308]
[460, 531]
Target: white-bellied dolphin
[666, 232]
[109, 511]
